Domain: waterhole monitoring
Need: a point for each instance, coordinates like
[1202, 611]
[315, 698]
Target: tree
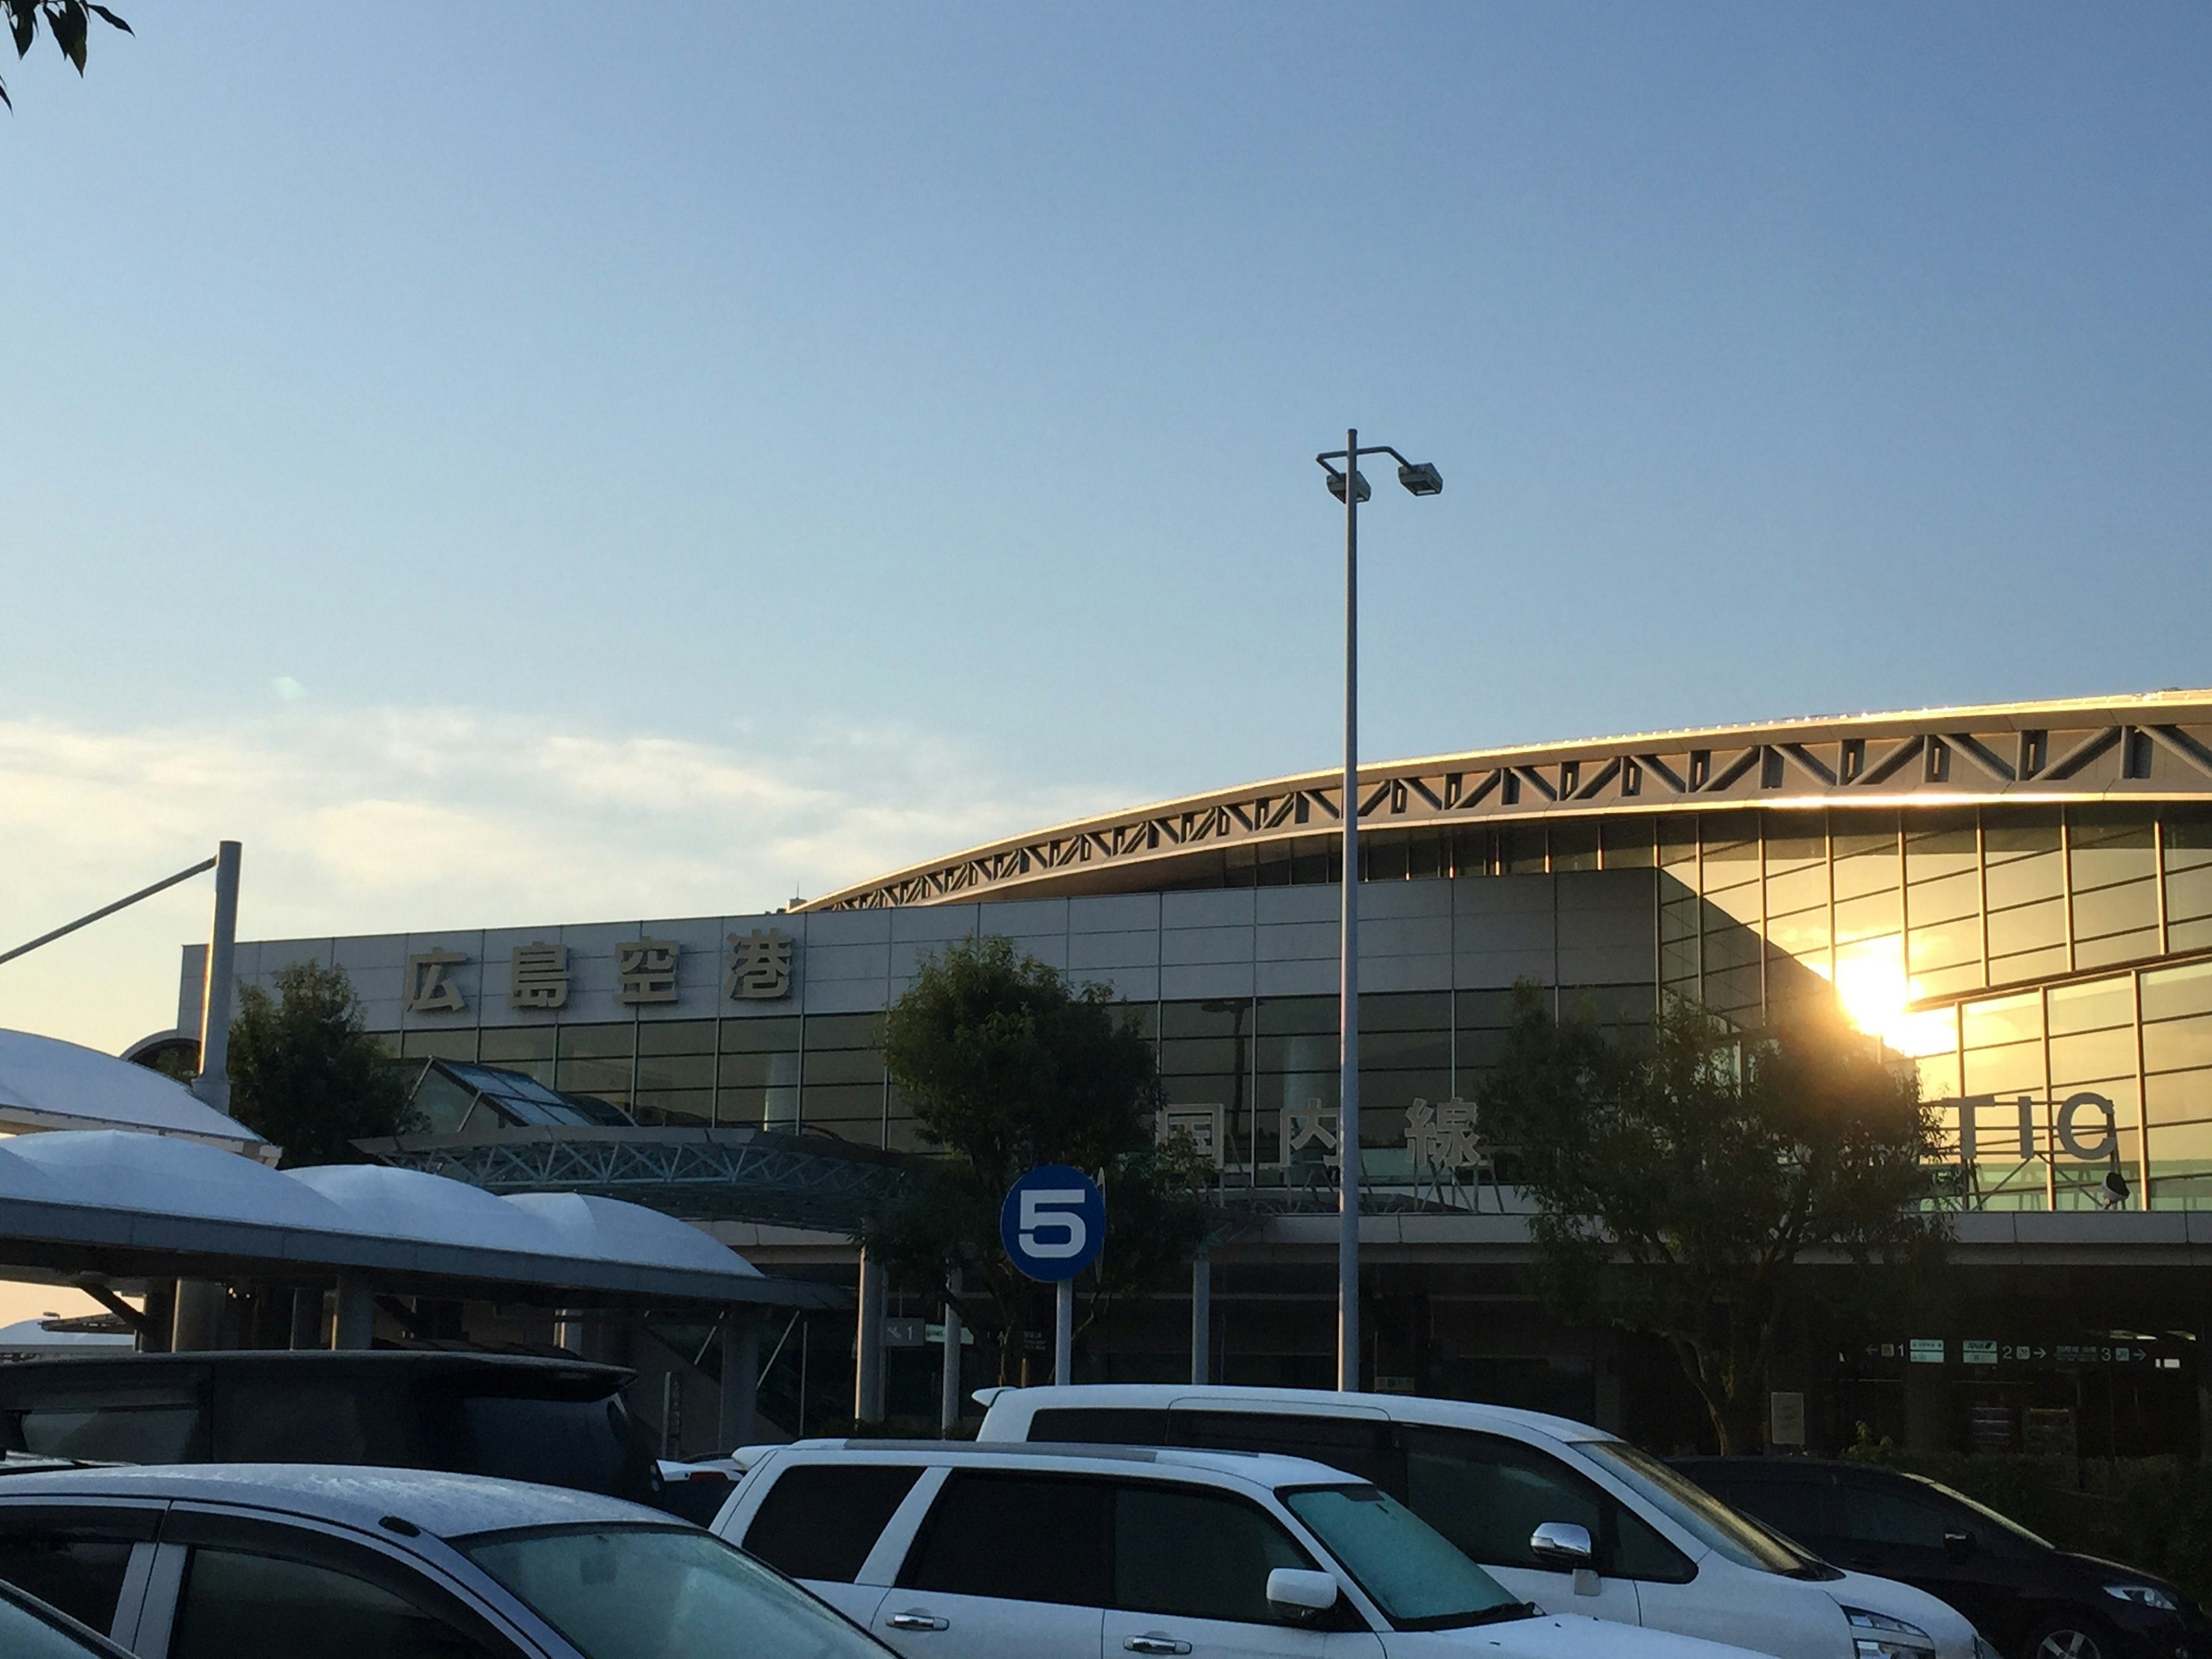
[1005, 1066]
[304, 1073]
[1682, 1182]
[70, 23]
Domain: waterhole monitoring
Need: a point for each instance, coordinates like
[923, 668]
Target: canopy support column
[355, 1323]
[740, 1379]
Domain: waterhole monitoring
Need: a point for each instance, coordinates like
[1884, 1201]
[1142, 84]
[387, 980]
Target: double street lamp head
[1358, 485]
[1421, 478]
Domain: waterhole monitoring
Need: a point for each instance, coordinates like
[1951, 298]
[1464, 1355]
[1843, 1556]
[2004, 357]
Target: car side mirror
[1959, 1544]
[1561, 1546]
[1298, 1596]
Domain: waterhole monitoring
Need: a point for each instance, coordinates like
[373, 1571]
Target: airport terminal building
[2016, 898]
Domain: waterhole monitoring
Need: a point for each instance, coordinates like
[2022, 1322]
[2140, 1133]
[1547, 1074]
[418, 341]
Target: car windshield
[645, 1592]
[1408, 1568]
[1736, 1537]
[2003, 1522]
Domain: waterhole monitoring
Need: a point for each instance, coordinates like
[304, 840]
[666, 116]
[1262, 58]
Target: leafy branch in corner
[70, 23]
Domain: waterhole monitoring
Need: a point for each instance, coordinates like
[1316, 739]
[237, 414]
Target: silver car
[284, 1561]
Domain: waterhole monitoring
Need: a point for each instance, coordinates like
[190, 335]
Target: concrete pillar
[155, 1336]
[308, 1317]
[740, 1379]
[353, 1325]
[1201, 1320]
[868, 1344]
[212, 1085]
[948, 1386]
[197, 1325]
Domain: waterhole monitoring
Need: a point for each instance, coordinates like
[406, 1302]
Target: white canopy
[47, 1084]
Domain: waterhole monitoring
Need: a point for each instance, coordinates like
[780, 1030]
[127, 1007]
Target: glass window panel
[1144, 1017]
[1735, 991]
[1940, 849]
[1728, 946]
[1628, 843]
[748, 1036]
[2182, 1142]
[2093, 1055]
[2179, 1096]
[1939, 1077]
[1868, 917]
[1574, 846]
[841, 1031]
[1800, 889]
[2188, 892]
[1183, 1056]
[675, 1072]
[2094, 1006]
[675, 1108]
[458, 1044]
[1405, 1010]
[2109, 844]
[763, 1108]
[597, 1042]
[2002, 1019]
[1484, 1010]
[1931, 982]
[1222, 1019]
[1803, 934]
[676, 1036]
[2007, 1068]
[844, 1066]
[1866, 861]
[1520, 850]
[2188, 831]
[2028, 928]
[2032, 965]
[592, 1077]
[2115, 947]
[1678, 839]
[1396, 1050]
[2189, 935]
[1795, 838]
[2168, 993]
[1282, 1015]
[759, 1071]
[1946, 945]
[1730, 864]
[1946, 899]
[2169, 1045]
[844, 1103]
[1312, 1052]
[2130, 908]
[499, 1045]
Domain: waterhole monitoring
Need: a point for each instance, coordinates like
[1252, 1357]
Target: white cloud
[382, 819]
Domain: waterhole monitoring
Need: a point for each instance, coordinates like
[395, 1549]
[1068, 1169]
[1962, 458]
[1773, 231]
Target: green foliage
[305, 1074]
[1682, 1181]
[70, 23]
[1005, 1067]
[2153, 1513]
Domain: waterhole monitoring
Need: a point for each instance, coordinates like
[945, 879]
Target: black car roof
[525, 1375]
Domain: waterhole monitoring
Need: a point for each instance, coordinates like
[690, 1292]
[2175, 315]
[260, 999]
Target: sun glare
[1874, 990]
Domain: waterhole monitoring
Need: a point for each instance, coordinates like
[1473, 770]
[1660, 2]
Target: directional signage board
[1053, 1223]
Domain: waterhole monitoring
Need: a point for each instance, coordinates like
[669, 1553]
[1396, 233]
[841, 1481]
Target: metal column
[213, 1083]
[740, 1380]
[948, 1393]
[868, 1344]
[1201, 1320]
[197, 1325]
[1063, 1332]
[1347, 1113]
[308, 1317]
[354, 1323]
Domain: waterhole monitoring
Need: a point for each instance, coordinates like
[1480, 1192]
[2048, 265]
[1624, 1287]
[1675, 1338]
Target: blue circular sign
[1053, 1223]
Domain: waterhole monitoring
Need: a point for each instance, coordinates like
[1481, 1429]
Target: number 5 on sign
[1052, 1222]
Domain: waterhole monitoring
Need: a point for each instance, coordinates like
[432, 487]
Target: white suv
[955, 1551]
[1561, 1513]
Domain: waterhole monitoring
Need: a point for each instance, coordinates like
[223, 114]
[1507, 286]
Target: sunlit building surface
[2016, 899]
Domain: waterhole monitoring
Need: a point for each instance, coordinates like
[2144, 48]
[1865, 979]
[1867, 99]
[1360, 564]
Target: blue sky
[523, 462]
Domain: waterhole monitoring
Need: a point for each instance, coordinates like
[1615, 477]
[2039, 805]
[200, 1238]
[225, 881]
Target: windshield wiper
[1505, 1610]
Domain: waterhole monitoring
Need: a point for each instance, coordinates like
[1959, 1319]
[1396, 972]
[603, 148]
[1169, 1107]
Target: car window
[1804, 1509]
[1410, 1570]
[144, 1426]
[82, 1577]
[235, 1604]
[820, 1520]
[648, 1592]
[1196, 1554]
[1361, 1446]
[1887, 1517]
[1017, 1537]
[1111, 1425]
[1488, 1494]
[24, 1635]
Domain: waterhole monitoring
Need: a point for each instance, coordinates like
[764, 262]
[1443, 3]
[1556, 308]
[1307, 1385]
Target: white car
[1562, 1514]
[957, 1552]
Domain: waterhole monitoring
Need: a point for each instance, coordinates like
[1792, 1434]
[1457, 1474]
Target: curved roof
[153, 1192]
[47, 1084]
[2154, 746]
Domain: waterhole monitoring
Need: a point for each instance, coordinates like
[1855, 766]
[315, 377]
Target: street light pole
[1348, 1003]
[1419, 478]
